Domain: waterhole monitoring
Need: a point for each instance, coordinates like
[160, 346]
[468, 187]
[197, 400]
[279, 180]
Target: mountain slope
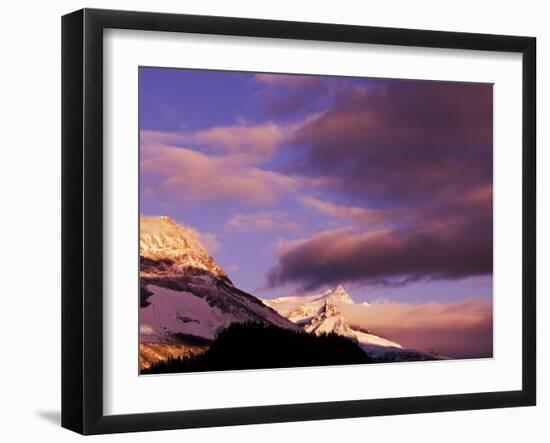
[186, 297]
[257, 346]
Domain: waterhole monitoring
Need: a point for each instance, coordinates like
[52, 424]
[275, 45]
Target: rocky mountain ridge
[186, 296]
[321, 314]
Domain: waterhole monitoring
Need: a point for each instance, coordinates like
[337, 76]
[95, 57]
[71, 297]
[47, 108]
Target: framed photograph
[268, 221]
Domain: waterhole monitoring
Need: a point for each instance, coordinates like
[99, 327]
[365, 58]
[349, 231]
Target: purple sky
[299, 183]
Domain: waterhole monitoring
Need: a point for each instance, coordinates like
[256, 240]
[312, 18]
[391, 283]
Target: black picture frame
[82, 218]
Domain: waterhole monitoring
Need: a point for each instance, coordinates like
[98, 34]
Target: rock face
[186, 296]
[330, 319]
[320, 314]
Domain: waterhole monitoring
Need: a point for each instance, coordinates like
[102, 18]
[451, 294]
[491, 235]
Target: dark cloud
[286, 96]
[423, 148]
[442, 250]
[403, 142]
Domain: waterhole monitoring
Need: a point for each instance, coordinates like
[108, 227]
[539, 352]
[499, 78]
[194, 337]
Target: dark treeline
[257, 346]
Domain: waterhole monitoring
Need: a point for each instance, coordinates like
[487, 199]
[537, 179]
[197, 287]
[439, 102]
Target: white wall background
[30, 222]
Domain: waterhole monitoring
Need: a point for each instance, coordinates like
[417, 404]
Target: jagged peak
[329, 309]
[339, 294]
[330, 319]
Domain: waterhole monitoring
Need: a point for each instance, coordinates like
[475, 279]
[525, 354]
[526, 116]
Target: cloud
[370, 217]
[252, 144]
[439, 250]
[461, 330]
[480, 197]
[285, 95]
[412, 160]
[186, 175]
[259, 142]
[409, 142]
[419, 152]
[220, 163]
[262, 221]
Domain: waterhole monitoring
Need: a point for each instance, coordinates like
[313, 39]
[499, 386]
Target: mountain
[188, 302]
[321, 314]
[186, 296]
[301, 309]
[169, 250]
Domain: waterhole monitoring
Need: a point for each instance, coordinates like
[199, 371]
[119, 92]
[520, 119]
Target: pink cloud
[253, 144]
[191, 176]
[372, 217]
[262, 221]
[256, 142]
[461, 329]
[480, 197]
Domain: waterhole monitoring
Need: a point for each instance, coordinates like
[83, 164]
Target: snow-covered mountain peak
[321, 314]
[329, 319]
[339, 294]
[301, 309]
[186, 297]
[174, 248]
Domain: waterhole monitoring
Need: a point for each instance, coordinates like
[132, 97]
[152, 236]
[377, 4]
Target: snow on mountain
[200, 312]
[179, 312]
[302, 309]
[320, 314]
[177, 248]
[330, 319]
[186, 297]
